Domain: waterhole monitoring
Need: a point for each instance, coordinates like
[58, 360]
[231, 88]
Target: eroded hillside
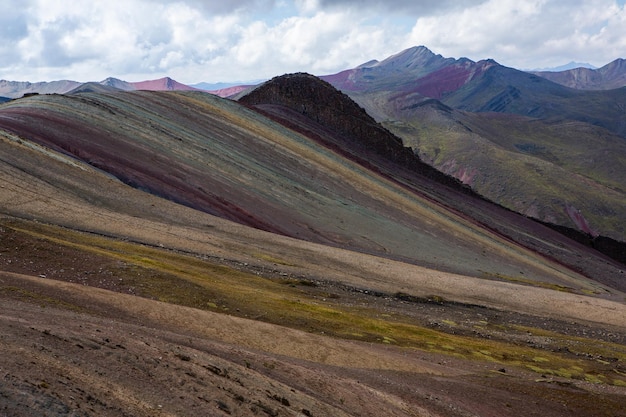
[217, 156]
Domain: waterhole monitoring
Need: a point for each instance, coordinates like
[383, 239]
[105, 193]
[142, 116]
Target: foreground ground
[97, 326]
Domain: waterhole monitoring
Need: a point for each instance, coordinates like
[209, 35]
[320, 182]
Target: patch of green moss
[272, 259]
[526, 281]
[619, 382]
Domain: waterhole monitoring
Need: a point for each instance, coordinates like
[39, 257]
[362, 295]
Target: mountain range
[15, 89]
[610, 76]
[416, 236]
[574, 75]
[570, 65]
[489, 126]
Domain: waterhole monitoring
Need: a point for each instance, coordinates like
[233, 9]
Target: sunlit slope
[221, 158]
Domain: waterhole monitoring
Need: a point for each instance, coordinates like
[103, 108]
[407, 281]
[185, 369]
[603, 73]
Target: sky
[211, 41]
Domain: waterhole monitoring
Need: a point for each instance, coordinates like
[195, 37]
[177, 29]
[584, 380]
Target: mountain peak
[319, 101]
[369, 64]
[307, 94]
[117, 83]
[411, 57]
[569, 66]
[608, 77]
[618, 63]
[110, 81]
[161, 84]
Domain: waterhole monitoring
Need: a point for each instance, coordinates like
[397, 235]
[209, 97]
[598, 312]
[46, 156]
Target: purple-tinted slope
[162, 84]
[217, 156]
[119, 143]
[450, 78]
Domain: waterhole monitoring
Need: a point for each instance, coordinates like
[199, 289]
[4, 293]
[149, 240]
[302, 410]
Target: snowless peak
[410, 55]
[116, 83]
[161, 84]
[110, 81]
[414, 58]
[369, 64]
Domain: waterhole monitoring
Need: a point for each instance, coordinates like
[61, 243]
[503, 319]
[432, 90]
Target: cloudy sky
[241, 40]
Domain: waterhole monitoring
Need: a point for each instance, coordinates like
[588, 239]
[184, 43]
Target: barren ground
[70, 348]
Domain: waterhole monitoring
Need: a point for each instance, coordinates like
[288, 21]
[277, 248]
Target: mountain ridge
[405, 102]
[569, 66]
[392, 91]
[607, 77]
[418, 58]
[16, 89]
[239, 191]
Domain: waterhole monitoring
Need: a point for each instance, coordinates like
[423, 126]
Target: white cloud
[527, 34]
[197, 40]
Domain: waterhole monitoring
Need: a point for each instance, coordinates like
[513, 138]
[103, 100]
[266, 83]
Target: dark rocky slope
[357, 133]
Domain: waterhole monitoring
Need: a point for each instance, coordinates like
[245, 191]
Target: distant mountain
[162, 84]
[221, 86]
[507, 90]
[399, 71]
[212, 86]
[539, 148]
[226, 89]
[483, 86]
[15, 89]
[117, 83]
[230, 91]
[570, 65]
[92, 87]
[610, 76]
